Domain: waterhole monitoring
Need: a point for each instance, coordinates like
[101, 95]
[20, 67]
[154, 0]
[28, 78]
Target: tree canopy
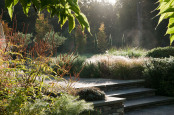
[65, 10]
[166, 11]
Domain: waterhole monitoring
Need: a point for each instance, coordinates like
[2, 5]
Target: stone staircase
[132, 95]
[136, 95]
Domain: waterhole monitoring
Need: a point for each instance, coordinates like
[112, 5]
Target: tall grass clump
[116, 67]
[159, 74]
[128, 69]
[161, 52]
[127, 52]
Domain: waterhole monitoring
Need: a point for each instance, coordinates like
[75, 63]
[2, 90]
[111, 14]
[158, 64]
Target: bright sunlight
[109, 1]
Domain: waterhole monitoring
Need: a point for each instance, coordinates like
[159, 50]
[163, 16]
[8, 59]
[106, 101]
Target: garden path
[88, 82]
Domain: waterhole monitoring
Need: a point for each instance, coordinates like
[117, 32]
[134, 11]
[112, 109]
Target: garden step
[127, 84]
[146, 102]
[132, 93]
[110, 85]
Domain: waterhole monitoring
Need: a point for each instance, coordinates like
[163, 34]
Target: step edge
[108, 102]
[150, 102]
[113, 84]
[134, 92]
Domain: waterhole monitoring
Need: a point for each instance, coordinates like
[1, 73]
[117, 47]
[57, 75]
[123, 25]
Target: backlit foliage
[166, 8]
[65, 10]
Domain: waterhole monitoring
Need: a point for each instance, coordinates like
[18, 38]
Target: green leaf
[171, 22]
[63, 20]
[10, 11]
[162, 17]
[166, 7]
[83, 21]
[74, 6]
[171, 38]
[10, 6]
[170, 30]
[26, 6]
[71, 22]
[63, 9]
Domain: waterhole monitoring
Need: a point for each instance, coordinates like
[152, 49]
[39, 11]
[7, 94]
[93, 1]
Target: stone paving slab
[158, 110]
[92, 82]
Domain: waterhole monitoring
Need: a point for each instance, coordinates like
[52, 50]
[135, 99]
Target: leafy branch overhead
[166, 11]
[65, 10]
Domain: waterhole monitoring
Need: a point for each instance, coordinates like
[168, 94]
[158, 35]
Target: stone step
[112, 85]
[127, 84]
[146, 102]
[132, 93]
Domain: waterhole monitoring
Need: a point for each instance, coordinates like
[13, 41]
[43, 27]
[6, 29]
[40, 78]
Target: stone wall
[111, 106]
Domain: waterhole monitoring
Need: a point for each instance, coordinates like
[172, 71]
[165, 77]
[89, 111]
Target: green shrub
[159, 74]
[161, 52]
[91, 94]
[54, 39]
[25, 37]
[91, 70]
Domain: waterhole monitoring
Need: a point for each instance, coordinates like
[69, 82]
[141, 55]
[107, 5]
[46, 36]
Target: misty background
[127, 23]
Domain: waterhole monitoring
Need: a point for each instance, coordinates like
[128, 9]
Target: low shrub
[159, 74]
[54, 39]
[91, 94]
[161, 52]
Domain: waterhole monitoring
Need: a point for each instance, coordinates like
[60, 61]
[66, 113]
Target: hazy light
[109, 1]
